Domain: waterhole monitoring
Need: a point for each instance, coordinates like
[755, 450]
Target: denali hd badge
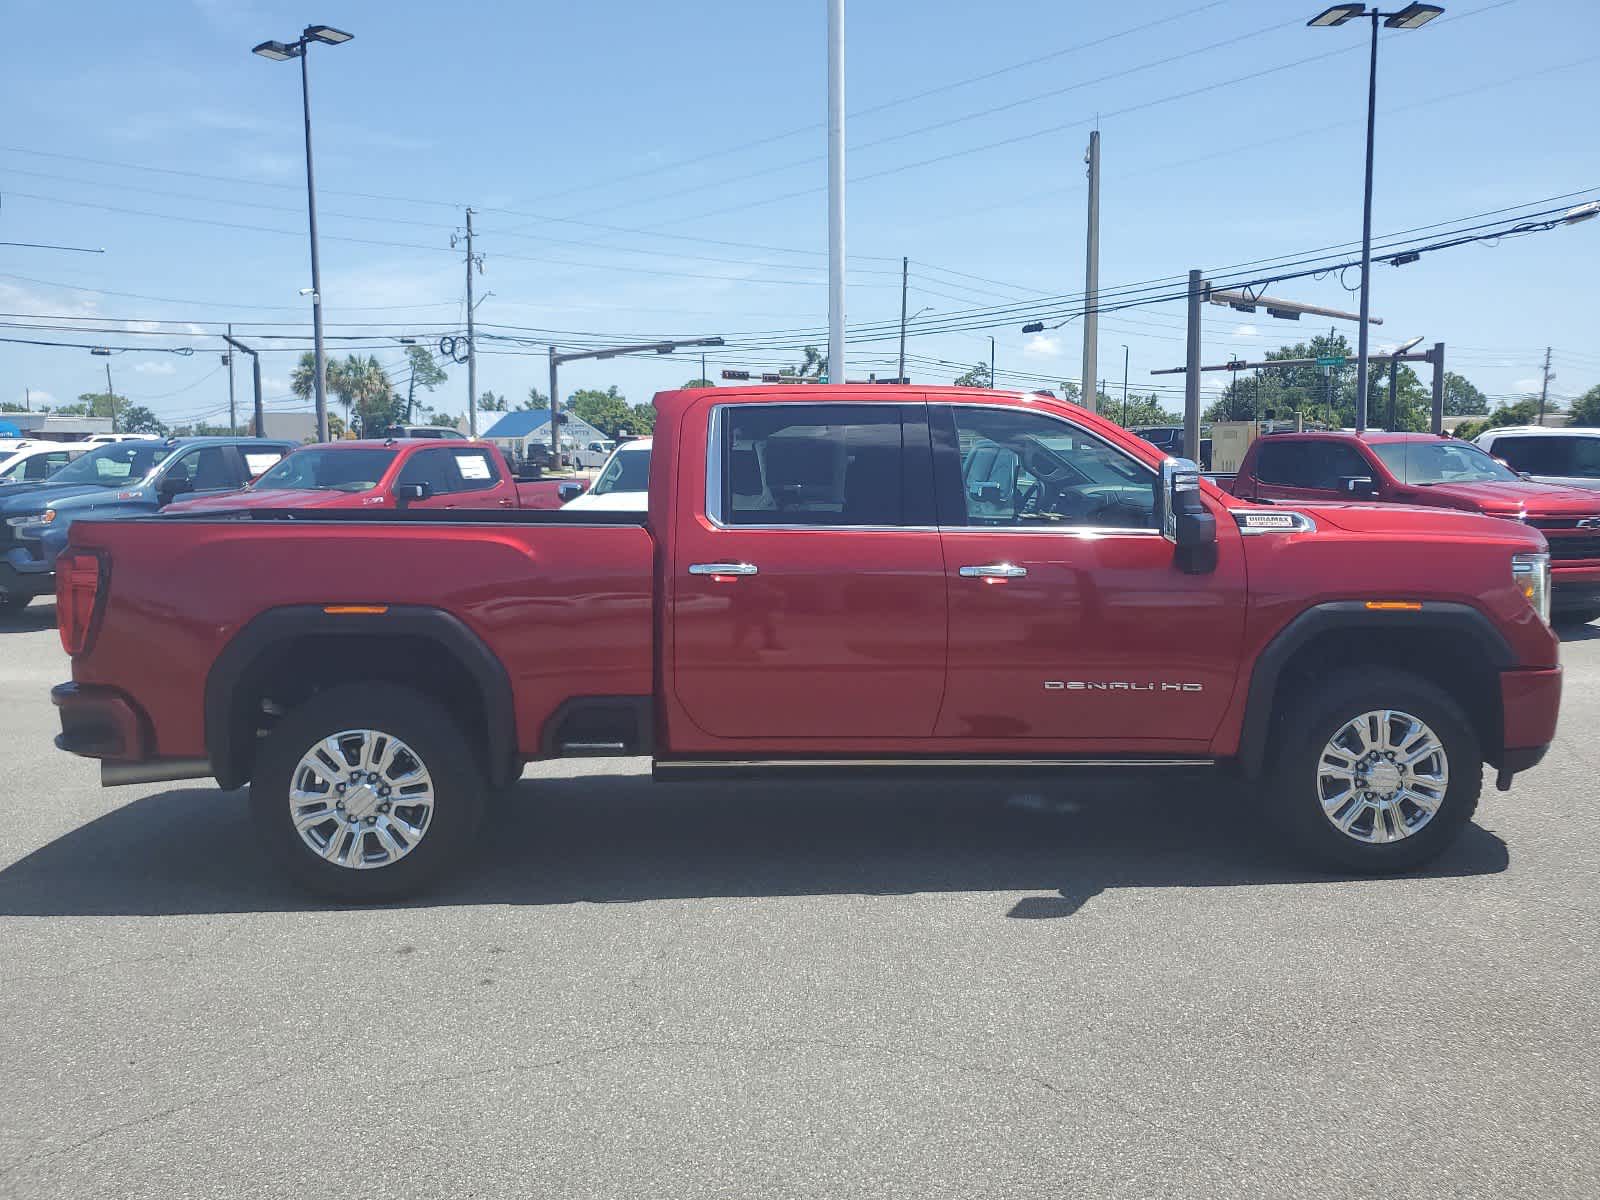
[1118, 685]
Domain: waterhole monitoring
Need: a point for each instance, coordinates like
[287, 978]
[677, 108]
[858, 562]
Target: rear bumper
[99, 722]
[1531, 703]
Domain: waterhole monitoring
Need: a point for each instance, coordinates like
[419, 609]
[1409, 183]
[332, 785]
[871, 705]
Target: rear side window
[1577, 457]
[809, 465]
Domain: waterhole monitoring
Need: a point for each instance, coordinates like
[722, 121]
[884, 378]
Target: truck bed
[563, 600]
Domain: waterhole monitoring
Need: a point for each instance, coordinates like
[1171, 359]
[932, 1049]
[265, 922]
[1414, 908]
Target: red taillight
[78, 574]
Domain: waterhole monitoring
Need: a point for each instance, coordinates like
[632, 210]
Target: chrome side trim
[155, 770]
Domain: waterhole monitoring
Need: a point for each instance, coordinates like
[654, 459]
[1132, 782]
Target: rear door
[479, 481]
[807, 589]
[433, 469]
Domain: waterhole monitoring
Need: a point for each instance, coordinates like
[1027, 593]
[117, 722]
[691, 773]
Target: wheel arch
[1451, 644]
[408, 645]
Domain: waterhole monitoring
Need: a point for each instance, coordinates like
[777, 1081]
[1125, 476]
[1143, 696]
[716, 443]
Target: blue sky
[643, 172]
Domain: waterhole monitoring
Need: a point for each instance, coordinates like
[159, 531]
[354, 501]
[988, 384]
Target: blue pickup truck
[119, 479]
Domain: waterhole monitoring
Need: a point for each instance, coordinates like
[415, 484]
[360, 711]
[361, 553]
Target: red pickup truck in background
[1436, 472]
[423, 473]
[879, 579]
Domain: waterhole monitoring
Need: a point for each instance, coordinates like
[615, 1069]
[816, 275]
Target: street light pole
[282, 52]
[1412, 16]
[836, 370]
[255, 374]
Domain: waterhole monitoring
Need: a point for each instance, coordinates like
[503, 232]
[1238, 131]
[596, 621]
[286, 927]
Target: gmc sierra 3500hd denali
[827, 578]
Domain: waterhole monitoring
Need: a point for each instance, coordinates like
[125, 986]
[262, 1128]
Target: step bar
[725, 768]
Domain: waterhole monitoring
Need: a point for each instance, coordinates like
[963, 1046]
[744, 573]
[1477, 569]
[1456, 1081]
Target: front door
[1310, 470]
[807, 592]
[1070, 626]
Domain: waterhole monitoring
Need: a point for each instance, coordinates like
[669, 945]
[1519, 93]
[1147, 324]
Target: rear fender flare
[278, 627]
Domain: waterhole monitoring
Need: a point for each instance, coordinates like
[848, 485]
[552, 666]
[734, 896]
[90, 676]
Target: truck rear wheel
[1377, 771]
[366, 792]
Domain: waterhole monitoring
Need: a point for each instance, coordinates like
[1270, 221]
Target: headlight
[43, 518]
[1531, 572]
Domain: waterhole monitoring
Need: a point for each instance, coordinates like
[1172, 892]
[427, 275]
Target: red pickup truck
[1435, 472]
[422, 473]
[865, 579]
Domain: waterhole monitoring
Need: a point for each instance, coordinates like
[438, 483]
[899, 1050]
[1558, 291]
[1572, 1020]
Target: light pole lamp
[1412, 16]
[283, 52]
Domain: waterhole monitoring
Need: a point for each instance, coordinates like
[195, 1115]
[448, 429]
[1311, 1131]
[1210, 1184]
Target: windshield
[115, 464]
[1441, 462]
[628, 471]
[327, 470]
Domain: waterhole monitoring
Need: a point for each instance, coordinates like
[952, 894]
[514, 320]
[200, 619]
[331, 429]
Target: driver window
[1029, 470]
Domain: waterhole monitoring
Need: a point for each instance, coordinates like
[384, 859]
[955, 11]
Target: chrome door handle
[994, 571]
[722, 568]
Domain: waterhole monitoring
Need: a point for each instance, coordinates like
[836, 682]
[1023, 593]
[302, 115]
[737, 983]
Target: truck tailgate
[564, 605]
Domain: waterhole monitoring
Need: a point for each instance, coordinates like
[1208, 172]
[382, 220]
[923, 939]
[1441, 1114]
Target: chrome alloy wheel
[1382, 777]
[361, 798]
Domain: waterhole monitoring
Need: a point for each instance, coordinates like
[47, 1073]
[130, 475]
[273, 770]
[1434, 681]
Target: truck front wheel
[366, 793]
[1376, 771]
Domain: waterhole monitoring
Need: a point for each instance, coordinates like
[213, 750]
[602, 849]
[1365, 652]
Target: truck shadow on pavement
[610, 839]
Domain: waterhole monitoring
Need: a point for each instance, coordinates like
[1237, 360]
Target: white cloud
[1042, 346]
[155, 367]
[36, 397]
[1246, 331]
[1527, 385]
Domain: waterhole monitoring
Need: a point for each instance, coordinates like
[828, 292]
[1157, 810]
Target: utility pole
[233, 416]
[1366, 237]
[472, 341]
[1191, 376]
[555, 413]
[1091, 276]
[1544, 385]
[704, 378]
[320, 354]
[27, 399]
[991, 363]
[836, 367]
[111, 397]
[1124, 387]
[1394, 380]
[905, 273]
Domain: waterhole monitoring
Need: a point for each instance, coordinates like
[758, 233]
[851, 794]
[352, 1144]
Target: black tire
[1291, 788]
[1574, 616]
[11, 602]
[458, 791]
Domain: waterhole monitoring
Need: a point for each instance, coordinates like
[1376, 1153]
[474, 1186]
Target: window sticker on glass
[473, 466]
[259, 462]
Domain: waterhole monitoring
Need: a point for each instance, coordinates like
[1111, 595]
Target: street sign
[736, 374]
[1330, 360]
[771, 377]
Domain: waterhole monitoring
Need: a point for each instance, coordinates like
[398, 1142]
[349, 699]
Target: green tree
[489, 402]
[426, 373]
[537, 401]
[365, 390]
[978, 377]
[699, 383]
[13, 406]
[303, 381]
[1142, 410]
[136, 418]
[1586, 408]
[99, 404]
[813, 365]
[1461, 398]
[641, 420]
[607, 411]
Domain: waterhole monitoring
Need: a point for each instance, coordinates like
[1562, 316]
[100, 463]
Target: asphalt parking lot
[682, 990]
